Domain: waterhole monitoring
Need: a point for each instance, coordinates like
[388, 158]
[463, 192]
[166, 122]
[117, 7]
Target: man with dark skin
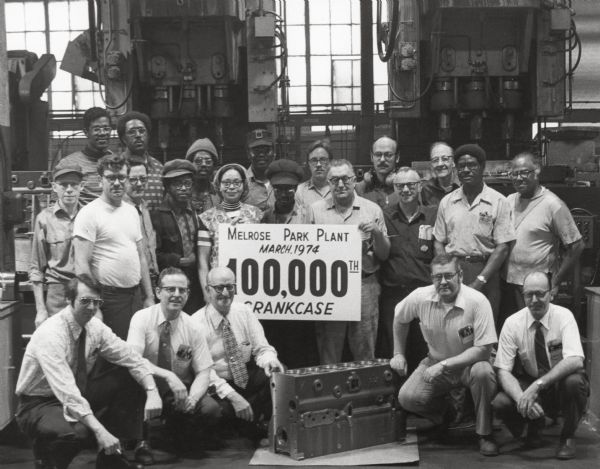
[205, 158]
[176, 225]
[260, 153]
[474, 223]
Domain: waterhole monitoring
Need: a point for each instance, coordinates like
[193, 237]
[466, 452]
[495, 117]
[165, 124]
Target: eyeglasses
[538, 294]
[410, 185]
[173, 290]
[522, 174]
[86, 301]
[447, 276]
[335, 180]
[136, 131]
[470, 166]
[101, 130]
[236, 183]
[318, 161]
[138, 180]
[441, 159]
[230, 287]
[203, 161]
[112, 178]
[185, 184]
[284, 190]
[388, 155]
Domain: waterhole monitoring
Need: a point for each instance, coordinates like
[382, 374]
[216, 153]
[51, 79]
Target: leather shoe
[115, 461]
[566, 449]
[487, 445]
[143, 454]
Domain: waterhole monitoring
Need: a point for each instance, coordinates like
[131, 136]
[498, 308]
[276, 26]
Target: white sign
[297, 272]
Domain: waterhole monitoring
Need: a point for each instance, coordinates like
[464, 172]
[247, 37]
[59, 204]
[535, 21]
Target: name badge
[466, 334]
[184, 352]
[485, 218]
[555, 348]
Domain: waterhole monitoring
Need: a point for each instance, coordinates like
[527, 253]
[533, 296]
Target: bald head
[536, 293]
[220, 275]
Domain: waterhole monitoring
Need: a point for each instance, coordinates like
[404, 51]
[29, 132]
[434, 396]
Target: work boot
[566, 449]
[115, 461]
[487, 445]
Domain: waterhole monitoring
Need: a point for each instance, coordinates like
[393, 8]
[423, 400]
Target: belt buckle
[468, 258]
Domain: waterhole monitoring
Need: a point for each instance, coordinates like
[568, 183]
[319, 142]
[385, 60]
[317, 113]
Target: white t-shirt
[114, 232]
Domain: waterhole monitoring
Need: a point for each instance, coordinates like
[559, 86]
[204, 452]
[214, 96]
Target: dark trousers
[491, 289]
[120, 304]
[295, 342]
[115, 399]
[569, 395]
[416, 347]
[511, 302]
[257, 393]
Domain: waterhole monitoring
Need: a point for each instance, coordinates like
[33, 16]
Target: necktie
[234, 356]
[540, 350]
[81, 369]
[164, 347]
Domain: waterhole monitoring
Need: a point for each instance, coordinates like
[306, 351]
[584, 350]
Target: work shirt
[50, 360]
[411, 247]
[50, 260]
[432, 192]
[363, 210]
[249, 336]
[87, 159]
[189, 351]
[296, 216]
[148, 233]
[448, 329]
[212, 218]
[260, 193]
[517, 339]
[476, 229]
[154, 193]
[114, 232]
[307, 194]
[541, 224]
[376, 191]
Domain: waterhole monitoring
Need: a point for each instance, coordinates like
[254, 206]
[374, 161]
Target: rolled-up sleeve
[440, 229]
[222, 387]
[407, 309]
[262, 351]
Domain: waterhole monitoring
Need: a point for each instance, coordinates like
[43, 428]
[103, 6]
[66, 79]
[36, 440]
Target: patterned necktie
[234, 356]
[81, 369]
[540, 350]
[164, 347]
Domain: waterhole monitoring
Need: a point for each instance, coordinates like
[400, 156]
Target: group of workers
[445, 264]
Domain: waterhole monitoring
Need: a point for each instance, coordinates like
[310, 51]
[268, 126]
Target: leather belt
[473, 259]
[110, 288]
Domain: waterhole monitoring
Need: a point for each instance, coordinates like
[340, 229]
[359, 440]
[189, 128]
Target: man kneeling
[180, 359]
[458, 326]
[60, 394]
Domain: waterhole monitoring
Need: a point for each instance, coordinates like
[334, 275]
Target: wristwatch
[540, 383]
[482, 279]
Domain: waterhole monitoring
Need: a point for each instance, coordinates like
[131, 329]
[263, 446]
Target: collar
[483, 196]
[397, 213]
[459, 302]
[310, 185]
[436, 182]
[214, 317]
[542, 191]
[59, 208]
[73, 326]
[545, 319]
[141, 205]
[162, 318]
[355, 203]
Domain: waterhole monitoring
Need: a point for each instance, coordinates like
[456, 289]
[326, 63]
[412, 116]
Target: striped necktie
[234, 356]
[541, 357]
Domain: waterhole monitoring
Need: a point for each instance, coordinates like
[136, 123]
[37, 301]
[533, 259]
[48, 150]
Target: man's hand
[527, 400]
[148, 301]
[41, 316]
[189, 404]
[273, 365]
[368, 226]
[535, 411]
[179, 390]
[242, 407]
[398, 364]
[188, 261]
[433, 372]
[107, 442]
[153, 407]
[477, 284]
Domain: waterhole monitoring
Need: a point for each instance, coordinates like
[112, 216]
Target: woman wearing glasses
[231, 184]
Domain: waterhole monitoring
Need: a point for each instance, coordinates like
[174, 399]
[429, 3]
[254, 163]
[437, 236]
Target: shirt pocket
[466, 334]
[56, 244]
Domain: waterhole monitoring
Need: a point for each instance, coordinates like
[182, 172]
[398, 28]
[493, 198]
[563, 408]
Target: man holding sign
[347, 208]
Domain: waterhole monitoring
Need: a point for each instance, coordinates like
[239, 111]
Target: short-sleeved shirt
[411, 247]
[307, 194]
[114, 231]
[476, 229]
[449, 330]
[249, 335]
[432, 192]
[541, 224]
[87, 159]
[50, 360]
[376, 191]
[260, 193]
[363, 210]
[189, 351]
[517, 339]
[216, 216]
[51, 261]
[154, 192]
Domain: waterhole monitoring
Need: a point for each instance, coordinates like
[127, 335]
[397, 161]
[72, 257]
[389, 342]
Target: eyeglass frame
[383, 154]
[136, 131]
[182, 184]
[239, 183]
[447, 276]
[172, 290]
[86, 300]
[539, 294]
[519, 174]
[138, 179]
[230, 287]
[112, 178]
[411, 185]
[346, 180]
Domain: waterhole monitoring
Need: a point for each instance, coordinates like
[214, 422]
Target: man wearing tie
[540, 367]
[243, 358]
